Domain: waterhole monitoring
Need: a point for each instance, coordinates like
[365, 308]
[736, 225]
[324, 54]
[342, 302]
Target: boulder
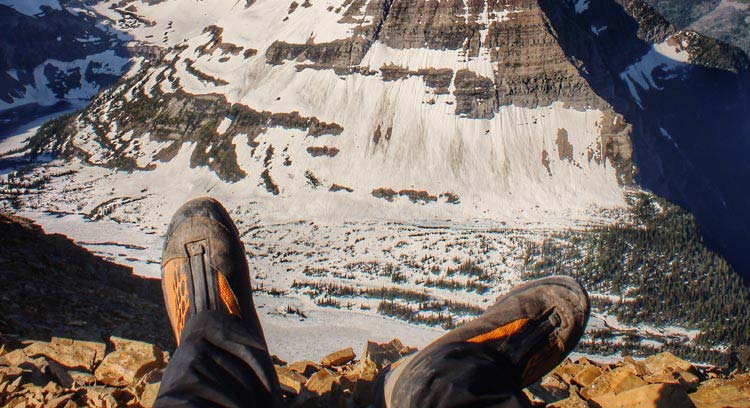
[291, 381]
[720, 394]
[130, 360]
[324, 382]
[613, 382]
[10, 373]
[574, 401]
[550, 389]
[664, 364]
[381, 355]
[339, 358]
[305, 367]
[648, 396]
[13, 358]
[99, 397]
[83, 355]
[587, 376]
[638, 367]
[147, 388]
[364, 376]
[52, 388]
[567, 370]
[60, 402]
[82, 377]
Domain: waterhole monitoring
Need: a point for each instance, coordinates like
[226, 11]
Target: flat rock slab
[339, 358]
[649, 396]
[130, 361]
[75, 354]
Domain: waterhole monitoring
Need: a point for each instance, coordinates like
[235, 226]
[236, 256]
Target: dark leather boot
[204, 267]
[524, 335]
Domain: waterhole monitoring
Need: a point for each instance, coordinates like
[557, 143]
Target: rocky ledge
[65, 373]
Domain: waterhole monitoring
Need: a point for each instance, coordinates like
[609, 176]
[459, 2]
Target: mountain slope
[53, 58]
[727, 20]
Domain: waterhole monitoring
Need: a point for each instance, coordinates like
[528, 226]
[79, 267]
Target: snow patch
[582, 5]
[31, 7]
[664, 56]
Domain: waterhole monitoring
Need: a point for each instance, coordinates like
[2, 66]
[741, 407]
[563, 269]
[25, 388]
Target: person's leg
[222, 359]
[218, 364]
[489, 360]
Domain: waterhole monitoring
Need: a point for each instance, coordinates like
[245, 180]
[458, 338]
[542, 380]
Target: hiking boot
[528, 331]
[204, 267]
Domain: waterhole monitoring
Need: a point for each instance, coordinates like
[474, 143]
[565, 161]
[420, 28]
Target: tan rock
[383, 354]
[60, 402]
[687, 378]
[76, 354]
[616, 381]
[82, 377]
[147, 388]
[363, 375]
[339, 358]
[99, 397]
[555, 387]
[99, 347]
[14, 386]
[10, 373]
[638, 367]
[52, 388]
[290, 380]
[666, 363]
[148, 395]
[720, 395]
[587, 376]
[567, 370]
[550, 389]
[649, 396]
[584, 361]
[33, 394]
[305, 367]
[322, 382]
[16, 402]
[574, 401]
[14, 358]
[130, 360]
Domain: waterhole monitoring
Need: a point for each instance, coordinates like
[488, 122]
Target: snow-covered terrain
[401, 197]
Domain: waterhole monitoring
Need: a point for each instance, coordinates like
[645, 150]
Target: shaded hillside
[52, 287]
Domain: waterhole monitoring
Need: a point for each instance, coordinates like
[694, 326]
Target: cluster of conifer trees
[663, 273]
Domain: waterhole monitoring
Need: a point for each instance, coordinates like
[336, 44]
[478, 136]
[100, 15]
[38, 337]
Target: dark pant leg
[457, 375]
[219, 363]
